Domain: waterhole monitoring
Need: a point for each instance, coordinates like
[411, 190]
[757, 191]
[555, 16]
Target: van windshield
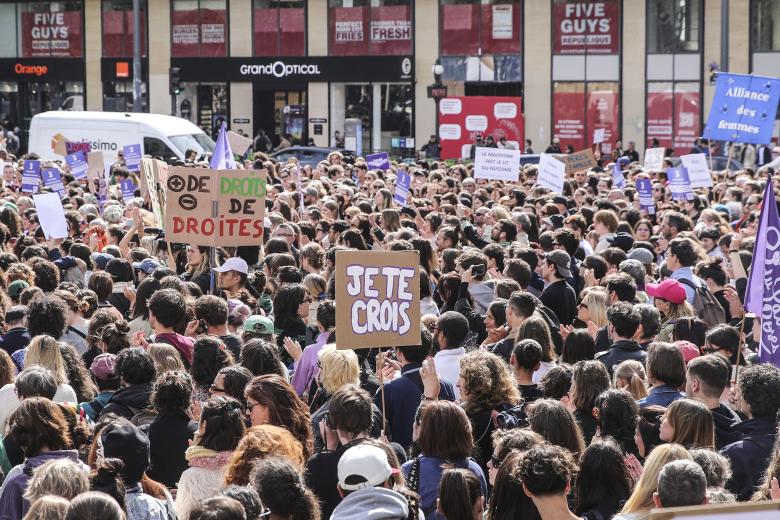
[201, 143]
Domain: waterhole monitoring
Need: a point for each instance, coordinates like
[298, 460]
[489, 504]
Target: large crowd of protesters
[579, 357]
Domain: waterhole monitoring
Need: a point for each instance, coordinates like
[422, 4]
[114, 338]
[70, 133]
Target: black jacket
[169, 437]
[560, 298]
[750, 456]
[621, 351]
[15, 339]
[726, 422]
[129, 401]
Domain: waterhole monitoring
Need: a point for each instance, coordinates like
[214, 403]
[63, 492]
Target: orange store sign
[31, 70]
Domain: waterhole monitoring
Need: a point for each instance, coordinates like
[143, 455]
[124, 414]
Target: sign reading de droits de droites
[215, 207]
[377, 299]
[743, 109]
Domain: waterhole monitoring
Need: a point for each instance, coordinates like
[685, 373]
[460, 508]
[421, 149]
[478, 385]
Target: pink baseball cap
[688, 349]
[104, 366]
[669, 290]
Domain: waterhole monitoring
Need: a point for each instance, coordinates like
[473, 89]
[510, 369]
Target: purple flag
[763, 290]
[223, 155]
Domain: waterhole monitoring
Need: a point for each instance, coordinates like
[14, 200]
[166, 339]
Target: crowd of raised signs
[580, 356]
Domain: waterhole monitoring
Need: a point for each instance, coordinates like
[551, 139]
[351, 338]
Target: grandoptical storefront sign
[297, 69]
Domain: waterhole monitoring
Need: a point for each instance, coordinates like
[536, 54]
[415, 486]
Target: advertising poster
[378, 297]
[52, 34]
[199, 32]
[391, 30]
[644, 188]
[586, 27]
[460, 29]
[569, 119]
[348, 26]
[674, 118]
[462, 119]
[603, 115]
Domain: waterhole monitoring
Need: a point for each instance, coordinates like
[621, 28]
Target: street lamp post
[438, 90]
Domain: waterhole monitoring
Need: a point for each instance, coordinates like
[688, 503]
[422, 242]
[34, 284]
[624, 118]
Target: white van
[109, 132]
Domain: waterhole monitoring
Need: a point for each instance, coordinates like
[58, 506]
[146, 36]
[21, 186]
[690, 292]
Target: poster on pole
[644, 188]
[51, 215]
[52, 179]
[680, 183]
[551, 173]
[500, 164]
[654, 159]
[579, 161]
[133, 154]
[378, 298]
[403, 184]
[698, 170]
[215, 207]
[378, 161]
[743, 109]
[78, 165]
[598, 135]
[31, 176]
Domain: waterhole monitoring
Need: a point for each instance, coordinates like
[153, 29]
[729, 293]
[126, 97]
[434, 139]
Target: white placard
[551, 173]
[51, 215]
[598, 135]
[654, 159]
[239, 144]
[499, 164]
[698, 170]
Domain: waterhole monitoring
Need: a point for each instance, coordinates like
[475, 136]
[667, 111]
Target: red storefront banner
[674, 119]
[461, 119]
[603, 113]
[569, 119]
[459, 29]
[349, 31]
[199, 33]
[592, 27]
[118, 34]
[501, 28]
[391, 30]
[52, 34]
[292, 29]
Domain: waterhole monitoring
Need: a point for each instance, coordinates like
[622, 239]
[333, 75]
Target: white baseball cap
[233, 264]
[363, 466]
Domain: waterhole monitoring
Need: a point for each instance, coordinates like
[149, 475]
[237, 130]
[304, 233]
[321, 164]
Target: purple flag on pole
[223, 155]
[763, 290]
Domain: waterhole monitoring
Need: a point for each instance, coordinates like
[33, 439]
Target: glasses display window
[279, 28]
[199, 28]
[118, 28]
[42, 29]
[375, 28]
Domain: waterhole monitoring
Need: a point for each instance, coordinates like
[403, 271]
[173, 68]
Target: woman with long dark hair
[460, 496]
[508, 501]
[291, 308]
[603, 483]
[140, 312]
[271, 400]
[590, 378]
[209, 356]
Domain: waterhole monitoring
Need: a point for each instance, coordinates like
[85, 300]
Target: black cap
[129, 444]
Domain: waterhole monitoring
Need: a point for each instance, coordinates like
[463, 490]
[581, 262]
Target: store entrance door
[281, 112]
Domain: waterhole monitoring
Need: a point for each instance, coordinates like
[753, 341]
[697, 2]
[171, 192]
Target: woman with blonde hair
[48, 507]
[338, 368]
[640, 502]
[165, 357]
[59, 477]
[630, 376]
[593, 306]
[258, 443]
[688, 423]
[318, 289]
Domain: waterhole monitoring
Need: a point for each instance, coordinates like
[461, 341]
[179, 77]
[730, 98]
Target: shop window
[42, 29]
[580, 108]
[118, 28]
[586, 27]
[118, 96]
[765, 25]
[673, 26]
[279, 28]
[375, 28]
[673, 114]
[199, 28]
[470, 27]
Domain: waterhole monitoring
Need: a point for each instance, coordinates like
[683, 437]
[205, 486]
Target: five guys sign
[586, 27]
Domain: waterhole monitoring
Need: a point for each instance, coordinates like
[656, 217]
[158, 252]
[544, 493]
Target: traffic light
[175, 80]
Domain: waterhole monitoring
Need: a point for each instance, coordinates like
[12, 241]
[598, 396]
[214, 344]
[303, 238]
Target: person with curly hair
[282, 491]
[547, 472]
[758, 399]
[486, 384]
[39, 427]
[271, 400]
[231, 382]
[220, 429]
[258, 443]
[172, 430]
[209, 356]
[617, 416]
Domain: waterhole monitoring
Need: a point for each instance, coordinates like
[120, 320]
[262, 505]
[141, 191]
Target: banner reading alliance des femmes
[743, 109]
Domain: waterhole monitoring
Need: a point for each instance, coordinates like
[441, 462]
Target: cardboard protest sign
[53, 180]
[654, 159]
[743, 109]
[403, 183]
[132, 153]
[765, 510]
[680, 183]
[51, 215]
[378, 161]
[78, 165]
[239, 144]
[644, 188]
[551, 173]
[95, 171]
[159, 178]
[215, 207]
[598, 135]
[499, 164]
[578, 161]
[31, 176]
[378, 299]
[698, 170]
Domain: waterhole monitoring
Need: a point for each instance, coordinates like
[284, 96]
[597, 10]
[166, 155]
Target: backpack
[705, 305]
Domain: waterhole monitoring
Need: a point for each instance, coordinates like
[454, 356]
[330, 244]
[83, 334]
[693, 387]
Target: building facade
[639, 69]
